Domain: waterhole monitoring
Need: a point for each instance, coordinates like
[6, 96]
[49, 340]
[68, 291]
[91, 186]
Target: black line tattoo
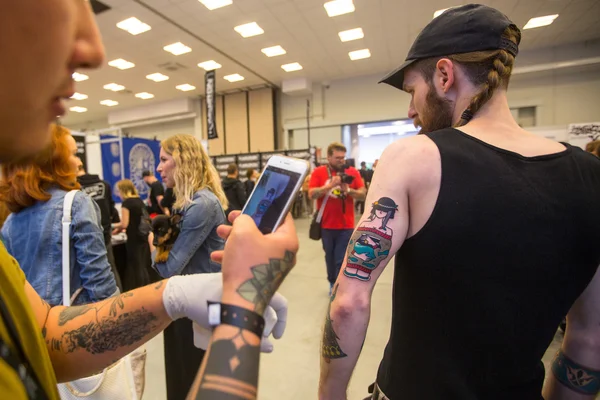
[265, 281]
[109, 334]
[159, 285]
[231, 371]
[371, 242]
[71, 313]
[330, 348]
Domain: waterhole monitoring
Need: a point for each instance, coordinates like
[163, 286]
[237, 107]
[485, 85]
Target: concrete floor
[293, 368]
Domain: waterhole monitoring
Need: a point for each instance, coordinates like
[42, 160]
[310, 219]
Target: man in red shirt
[338, 186]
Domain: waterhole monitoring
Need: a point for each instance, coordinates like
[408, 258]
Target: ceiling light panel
[157, 77]
[234, 78]
[185, 87]
[144, 96]
[209, 65]
[359, 54]
[79, 96]
[77, 77]
[273, 51]
[291, 67]
[540, 21]
[121, 64]
[109, 103]
[115, 87]
[134, 26]
[249, 30]
[214, 4]
[339, 7]
[177, 49]
[351, 34]
[78, 109]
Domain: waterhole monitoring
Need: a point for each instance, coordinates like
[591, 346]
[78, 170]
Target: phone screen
[270, 197]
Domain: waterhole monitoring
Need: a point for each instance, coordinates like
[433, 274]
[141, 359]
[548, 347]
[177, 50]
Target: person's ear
[444, 74]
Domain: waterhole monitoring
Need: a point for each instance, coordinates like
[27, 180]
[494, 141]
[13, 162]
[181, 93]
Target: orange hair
[25, 183]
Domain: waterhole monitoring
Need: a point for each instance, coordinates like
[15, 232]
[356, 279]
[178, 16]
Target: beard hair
[437, 114]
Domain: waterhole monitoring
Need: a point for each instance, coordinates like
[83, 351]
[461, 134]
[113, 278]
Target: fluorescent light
[77, 77]
[134, 26]
[339, 7]
[248, 30]
[121, 64]
[177, 48]
[273, 51]
[186, 87]
[440, 12]
[109, 103]
[234, 78]
[115, 87]
[540, 21]
[214, 4]
[351, 34]
[291, 67]
[144, 95]
[157, 77]
[78, 109]
[79, 96]
[209, 65]
[359, 54]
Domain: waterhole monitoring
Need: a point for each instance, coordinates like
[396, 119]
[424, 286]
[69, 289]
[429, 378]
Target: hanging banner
[139, 155]
[211, 101]
[80, 140]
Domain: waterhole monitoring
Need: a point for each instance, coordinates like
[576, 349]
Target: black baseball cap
[464, 29]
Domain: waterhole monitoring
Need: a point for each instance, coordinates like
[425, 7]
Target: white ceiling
[301, 27]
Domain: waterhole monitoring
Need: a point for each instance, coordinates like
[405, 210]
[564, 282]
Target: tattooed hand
[254, 265]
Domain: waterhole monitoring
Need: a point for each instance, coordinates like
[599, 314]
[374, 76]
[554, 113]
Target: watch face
[214, 314]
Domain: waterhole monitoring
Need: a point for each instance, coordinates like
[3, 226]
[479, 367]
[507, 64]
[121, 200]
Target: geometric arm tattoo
[574, 376]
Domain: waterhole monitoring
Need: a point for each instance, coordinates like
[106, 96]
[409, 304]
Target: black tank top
[480, 291]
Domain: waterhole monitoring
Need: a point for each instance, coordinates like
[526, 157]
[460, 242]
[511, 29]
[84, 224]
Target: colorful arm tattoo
[372, 241]
[574, 376]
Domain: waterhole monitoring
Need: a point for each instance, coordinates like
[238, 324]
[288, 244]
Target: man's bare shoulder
[415, 155]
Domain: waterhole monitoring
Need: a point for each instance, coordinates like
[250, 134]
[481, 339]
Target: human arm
[198, 221]
[578, 376]
[318, 188]
[87, 240]
[348, 316]
[246, 252]
[122, 226]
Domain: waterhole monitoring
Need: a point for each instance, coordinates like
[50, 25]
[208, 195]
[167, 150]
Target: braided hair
[488, 70]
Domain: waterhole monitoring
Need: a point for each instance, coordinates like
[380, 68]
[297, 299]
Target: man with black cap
[488, 259]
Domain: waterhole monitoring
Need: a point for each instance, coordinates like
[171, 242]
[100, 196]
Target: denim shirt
[197, 237]
[34, 238]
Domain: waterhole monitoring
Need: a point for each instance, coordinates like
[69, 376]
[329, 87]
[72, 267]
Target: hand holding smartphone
[275, 191]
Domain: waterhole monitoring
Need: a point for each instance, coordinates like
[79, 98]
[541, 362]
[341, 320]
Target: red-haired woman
[34, 192]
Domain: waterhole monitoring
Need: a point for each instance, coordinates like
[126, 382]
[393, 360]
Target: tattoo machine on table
[165, 231]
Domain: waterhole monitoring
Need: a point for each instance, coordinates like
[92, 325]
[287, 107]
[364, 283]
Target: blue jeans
[335, 242]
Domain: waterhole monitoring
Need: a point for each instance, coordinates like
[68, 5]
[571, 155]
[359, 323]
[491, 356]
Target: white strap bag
[116, 382]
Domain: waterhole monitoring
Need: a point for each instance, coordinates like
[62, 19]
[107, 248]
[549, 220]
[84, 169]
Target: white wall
[319, 137]
[164, 130]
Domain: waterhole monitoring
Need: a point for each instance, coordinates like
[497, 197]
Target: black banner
[80, 140]
[211, 119]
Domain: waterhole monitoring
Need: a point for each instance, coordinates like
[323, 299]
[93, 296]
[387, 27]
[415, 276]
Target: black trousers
[182, 358]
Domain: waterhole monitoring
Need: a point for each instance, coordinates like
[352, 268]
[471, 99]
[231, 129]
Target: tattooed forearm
[232, 369]
[371, 242]
[265, 281]
[330, 347]
[574, 376]
[70, 313]
[109, 334]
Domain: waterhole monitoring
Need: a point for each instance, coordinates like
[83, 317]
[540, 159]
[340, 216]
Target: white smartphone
[275, 192]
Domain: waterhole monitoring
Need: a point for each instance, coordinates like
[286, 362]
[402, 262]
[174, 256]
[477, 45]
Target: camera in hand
[347, 179]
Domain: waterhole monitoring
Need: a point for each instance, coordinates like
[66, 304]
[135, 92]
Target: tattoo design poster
[372, 240]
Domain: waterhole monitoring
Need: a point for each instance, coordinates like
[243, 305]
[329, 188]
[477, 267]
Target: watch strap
[219, 313]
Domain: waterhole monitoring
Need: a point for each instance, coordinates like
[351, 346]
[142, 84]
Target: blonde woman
[185, 167]
[136, 223]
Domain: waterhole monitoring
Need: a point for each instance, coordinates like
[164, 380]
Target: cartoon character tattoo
[372, 240]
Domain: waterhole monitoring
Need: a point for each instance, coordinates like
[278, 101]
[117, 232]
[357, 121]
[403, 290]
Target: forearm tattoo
[103, 333]
[330, 348]
[231, 370]
[266, 279]
[371, 242]
[574, 376]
